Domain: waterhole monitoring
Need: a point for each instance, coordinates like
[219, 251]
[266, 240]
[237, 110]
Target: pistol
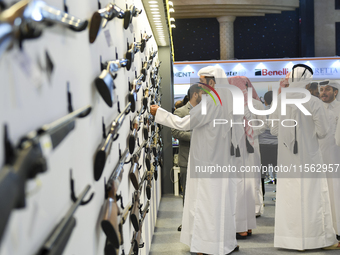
[105, 81]
[101, 17]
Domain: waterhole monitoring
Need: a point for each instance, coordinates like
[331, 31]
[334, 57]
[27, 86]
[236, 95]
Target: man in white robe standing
[208, 223]
[303, 218]
[330, 151]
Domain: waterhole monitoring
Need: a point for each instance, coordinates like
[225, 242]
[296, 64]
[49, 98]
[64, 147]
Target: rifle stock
[109, 222]
[134, 170]
[135, 243]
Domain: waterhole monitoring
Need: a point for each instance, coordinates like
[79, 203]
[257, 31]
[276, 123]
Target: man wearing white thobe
[303, 218]
[330, 151]
[208, 224]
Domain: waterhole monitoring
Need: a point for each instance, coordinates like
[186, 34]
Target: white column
[226, 37]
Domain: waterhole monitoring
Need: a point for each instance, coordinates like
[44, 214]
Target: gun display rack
[112, 99]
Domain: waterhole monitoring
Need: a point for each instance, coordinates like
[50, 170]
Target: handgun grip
[105, 85]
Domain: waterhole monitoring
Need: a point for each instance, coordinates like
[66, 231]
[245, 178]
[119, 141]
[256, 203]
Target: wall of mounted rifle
[79, 152]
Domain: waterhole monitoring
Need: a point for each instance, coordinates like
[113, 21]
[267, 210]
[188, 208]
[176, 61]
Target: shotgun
[134, 170]
[101, 17]
[105, 81]
[29, 159]
[105, 147]
[109, 222]
[57, 241]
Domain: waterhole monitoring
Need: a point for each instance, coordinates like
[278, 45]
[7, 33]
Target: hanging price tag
[108, 38]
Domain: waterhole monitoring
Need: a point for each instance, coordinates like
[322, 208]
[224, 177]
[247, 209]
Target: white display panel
[30, 98]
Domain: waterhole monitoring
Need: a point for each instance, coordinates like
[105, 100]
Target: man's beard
[198, 100]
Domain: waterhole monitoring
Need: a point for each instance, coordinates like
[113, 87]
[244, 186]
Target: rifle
[148, 149]
[105, 147]
[134, 170]
[146, 126]
[134, 214]
[135, 243]
[130, 13]
[29, 159]
[105, 81]
[57, 241]
[109, 222]
[154, 74]
[33, 16]
[109, 247]
[101, 17]
[133, 133]
[134, 88]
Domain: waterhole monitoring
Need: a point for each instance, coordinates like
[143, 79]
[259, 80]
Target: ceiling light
[173, 25]
[152, 2]
[155, 12]
[156, 15]
[154, 9]
[172, 19]
[171, 10]
[153, 5]
[170, 3]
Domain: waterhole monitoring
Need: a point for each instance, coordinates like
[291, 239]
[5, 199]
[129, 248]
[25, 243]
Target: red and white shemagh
[240, 82]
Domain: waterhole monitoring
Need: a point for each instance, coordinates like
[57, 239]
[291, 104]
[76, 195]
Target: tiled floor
[166, 237]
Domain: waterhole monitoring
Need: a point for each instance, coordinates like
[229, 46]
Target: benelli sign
[265, 72]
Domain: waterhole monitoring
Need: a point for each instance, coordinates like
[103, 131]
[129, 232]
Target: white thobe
[257, 156]
[208, 222]
[337, 132]
[303, 218]
[331, 154]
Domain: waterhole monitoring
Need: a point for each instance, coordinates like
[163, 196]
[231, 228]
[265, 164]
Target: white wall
[29, 99]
